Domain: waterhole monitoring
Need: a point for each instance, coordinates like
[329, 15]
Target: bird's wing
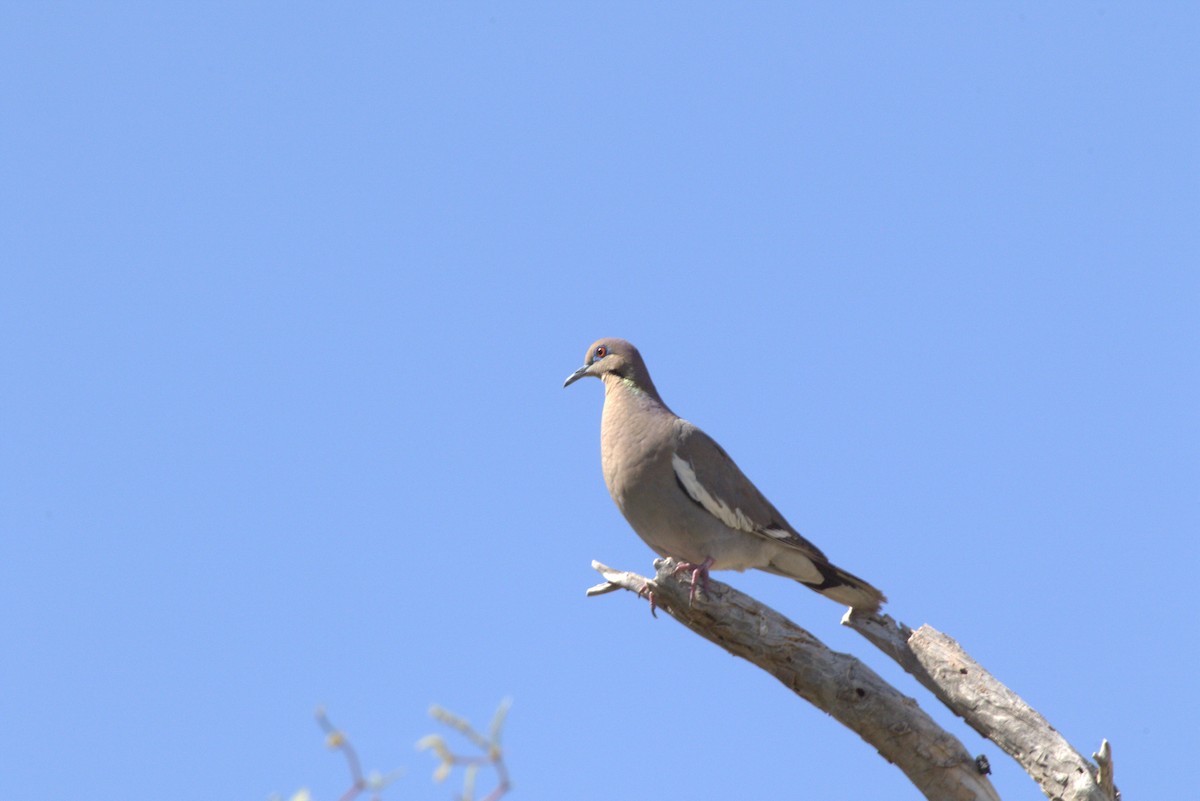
[713, 481]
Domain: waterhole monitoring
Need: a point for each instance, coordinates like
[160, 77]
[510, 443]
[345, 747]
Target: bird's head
[612, 357]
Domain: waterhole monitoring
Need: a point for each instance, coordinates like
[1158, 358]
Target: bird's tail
[846, 588]
[831, 581]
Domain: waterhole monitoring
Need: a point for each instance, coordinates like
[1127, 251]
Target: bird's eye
[599, 353]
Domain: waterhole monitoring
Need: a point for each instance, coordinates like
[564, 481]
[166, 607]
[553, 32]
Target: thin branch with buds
[337, 740]
[491, 752]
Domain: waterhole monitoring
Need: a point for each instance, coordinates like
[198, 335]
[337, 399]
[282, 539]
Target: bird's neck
[632, 390]
[620, 392]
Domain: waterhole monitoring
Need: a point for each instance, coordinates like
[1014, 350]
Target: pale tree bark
[841, 685]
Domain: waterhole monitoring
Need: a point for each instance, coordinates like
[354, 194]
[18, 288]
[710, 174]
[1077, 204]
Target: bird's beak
[575, 376]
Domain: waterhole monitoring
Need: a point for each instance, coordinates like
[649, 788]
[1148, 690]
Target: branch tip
[602, 589]
[1104, 772]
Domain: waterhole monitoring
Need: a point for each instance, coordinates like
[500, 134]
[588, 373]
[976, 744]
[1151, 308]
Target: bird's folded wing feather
[710, 478]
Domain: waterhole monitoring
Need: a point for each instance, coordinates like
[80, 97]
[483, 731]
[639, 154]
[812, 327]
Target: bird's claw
[648, 594]
[699, 576]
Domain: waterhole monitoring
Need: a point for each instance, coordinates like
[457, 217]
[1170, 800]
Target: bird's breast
[633, 458]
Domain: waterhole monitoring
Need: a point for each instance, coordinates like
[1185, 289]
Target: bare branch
[938, 662]
[839, 684]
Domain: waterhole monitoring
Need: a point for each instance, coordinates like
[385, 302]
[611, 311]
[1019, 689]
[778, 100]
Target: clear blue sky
[290, 291]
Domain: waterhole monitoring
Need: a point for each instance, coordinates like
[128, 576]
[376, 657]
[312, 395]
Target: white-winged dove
[686, 498]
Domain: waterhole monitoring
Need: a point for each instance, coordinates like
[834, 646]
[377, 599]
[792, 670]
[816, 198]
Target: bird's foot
[699, 576]
[648, 594]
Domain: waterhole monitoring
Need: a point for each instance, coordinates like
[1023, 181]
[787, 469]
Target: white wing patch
[779, 534]
[734, 518]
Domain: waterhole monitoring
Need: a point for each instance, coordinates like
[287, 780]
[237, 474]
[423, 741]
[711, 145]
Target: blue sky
[290, 291]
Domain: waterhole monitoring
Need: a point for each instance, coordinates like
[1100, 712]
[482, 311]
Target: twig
[336, 739]
[492, 755]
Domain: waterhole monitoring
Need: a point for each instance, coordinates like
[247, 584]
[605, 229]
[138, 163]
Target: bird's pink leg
[699, 571]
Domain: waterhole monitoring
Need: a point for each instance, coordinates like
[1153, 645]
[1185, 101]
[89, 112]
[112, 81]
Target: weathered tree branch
[938, 662]
[839, 684]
